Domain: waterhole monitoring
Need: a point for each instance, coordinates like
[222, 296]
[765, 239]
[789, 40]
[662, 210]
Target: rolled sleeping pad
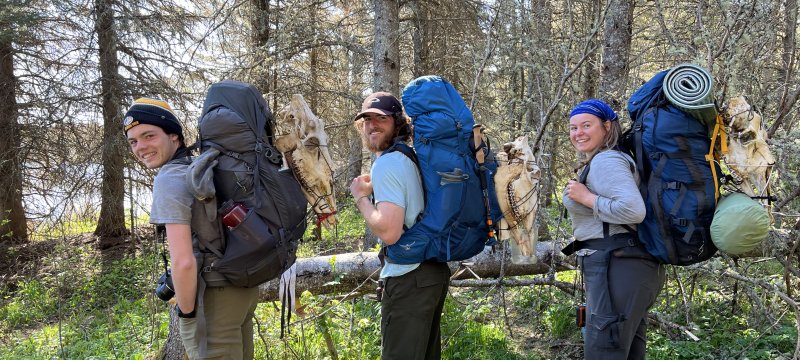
[690, 88]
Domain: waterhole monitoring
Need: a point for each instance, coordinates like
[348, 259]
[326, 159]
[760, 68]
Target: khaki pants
[229, 324]
[411, 311]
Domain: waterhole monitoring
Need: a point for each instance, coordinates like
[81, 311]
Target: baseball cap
[382, 103]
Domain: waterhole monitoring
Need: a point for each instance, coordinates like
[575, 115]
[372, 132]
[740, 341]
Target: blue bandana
[595, 107]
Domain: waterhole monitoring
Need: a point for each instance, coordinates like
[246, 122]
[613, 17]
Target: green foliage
[353, 327]
[726, 328]
[560, 320]
[724, 335]
[472, 329]
[75, 309]
[3, 222]
[124, 330]
[345, 235]
[31, 303]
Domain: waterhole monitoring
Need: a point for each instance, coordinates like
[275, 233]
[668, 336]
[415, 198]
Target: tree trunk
[590, 73]
[260, 39]
[386, 52]
[617, 34]
[111, 224]
[173, 347]
[355, 269]
[421, 38]
[12, 214]
[354, 149]
[785, 71]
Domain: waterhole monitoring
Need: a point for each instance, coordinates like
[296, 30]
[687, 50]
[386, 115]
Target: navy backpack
[678, 181]
[453, 225]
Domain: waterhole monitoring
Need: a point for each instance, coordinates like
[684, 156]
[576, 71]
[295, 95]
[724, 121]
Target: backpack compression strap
[481, 149]
[712, 156]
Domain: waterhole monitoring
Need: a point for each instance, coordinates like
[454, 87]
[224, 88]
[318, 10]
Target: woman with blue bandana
[621, 279]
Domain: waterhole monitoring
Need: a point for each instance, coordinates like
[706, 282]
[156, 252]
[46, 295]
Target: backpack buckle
[680, 222]
[656, 155]
[272, 154]
[672, 185]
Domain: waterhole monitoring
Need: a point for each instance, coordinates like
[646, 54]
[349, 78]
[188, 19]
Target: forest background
[78, 260]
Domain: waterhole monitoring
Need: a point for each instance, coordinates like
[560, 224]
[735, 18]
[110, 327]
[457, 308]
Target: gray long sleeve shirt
[618, 199]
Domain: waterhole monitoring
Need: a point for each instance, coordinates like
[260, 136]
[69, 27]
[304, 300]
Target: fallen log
[344, 273]
[356, 273]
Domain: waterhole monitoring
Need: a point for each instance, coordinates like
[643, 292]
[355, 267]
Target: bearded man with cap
[622, 281]
[390, 198]
[219, 324]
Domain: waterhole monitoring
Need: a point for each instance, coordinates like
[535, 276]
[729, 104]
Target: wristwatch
[190, 315]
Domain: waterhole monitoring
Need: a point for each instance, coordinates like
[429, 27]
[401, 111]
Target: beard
[381, 144]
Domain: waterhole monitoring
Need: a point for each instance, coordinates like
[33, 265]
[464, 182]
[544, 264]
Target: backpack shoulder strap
[183, 156]
[402, 147]
[582, 179]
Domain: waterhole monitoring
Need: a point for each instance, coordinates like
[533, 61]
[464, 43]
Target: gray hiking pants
[619, 291]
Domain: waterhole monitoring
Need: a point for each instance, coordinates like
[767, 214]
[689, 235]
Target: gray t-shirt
[618, 199]
[396, 179]
[172, 202]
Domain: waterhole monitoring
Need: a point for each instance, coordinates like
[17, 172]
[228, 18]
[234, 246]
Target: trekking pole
[480, 156]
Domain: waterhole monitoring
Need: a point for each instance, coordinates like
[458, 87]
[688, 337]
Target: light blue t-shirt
[395, 179]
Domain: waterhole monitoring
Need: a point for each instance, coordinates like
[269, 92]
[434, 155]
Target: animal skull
[748, 153]
[516, 183]
[305, 150]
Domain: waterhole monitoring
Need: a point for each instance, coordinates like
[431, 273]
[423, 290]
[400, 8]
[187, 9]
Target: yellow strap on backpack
[712, 156]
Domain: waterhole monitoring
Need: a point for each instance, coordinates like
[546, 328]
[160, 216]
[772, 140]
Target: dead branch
[564, 286]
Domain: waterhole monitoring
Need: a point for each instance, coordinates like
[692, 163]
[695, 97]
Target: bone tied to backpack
[517, 187]
[749, 157]
[305, 150]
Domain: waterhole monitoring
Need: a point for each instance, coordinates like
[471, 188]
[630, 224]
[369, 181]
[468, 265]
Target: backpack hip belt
[611, 243]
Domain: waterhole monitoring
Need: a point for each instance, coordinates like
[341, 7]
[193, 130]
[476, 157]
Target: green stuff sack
[740, 224]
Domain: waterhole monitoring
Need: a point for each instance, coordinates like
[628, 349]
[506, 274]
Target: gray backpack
[238, 164]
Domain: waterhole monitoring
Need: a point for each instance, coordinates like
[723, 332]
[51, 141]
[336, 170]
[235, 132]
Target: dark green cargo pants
[411, 311]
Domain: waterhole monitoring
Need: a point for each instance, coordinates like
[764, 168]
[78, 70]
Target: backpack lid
[244, 100]
[646, 94]
[435, 96]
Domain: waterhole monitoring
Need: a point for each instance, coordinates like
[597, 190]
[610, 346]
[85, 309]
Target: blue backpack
[454, 224]
[678, 180]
